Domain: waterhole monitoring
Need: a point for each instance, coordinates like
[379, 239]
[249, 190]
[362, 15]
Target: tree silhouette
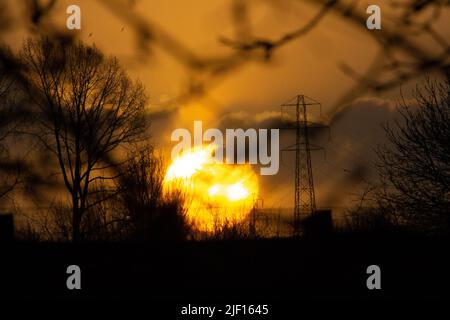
[152, 213]
[415, 167]
[86, 107]
[9, 119]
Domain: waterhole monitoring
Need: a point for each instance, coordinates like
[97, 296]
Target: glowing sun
[216, 193]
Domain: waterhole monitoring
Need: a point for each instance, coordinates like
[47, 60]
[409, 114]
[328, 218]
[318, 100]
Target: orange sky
[309, 65]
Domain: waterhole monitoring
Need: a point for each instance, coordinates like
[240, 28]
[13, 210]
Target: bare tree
[9, 119]
[86, 108]
[415, 167]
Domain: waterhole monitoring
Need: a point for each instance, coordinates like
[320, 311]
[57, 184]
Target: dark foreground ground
[294, 269]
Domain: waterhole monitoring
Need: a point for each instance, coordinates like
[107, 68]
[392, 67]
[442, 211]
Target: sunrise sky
[250, 94]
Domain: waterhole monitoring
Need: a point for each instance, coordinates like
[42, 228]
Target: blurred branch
[268, 46]
[205, 72]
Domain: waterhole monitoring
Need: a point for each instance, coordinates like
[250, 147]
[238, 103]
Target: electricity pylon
[305, 198]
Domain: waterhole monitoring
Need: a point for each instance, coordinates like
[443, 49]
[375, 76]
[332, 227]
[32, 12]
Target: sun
[216, 193]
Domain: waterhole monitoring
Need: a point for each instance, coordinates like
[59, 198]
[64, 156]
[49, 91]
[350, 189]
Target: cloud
[245, 120]
[348, 158]
[347, 162]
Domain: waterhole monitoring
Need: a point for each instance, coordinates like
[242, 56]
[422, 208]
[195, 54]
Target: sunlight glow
[237, 192]
[216, 193]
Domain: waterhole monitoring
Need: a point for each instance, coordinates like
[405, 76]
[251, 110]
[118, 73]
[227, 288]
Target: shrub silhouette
[153, 213]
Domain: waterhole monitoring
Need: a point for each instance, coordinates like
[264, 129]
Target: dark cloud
[245, 120]
[347, 162]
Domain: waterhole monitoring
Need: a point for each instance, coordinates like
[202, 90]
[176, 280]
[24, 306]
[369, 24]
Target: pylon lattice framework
[305, 199]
